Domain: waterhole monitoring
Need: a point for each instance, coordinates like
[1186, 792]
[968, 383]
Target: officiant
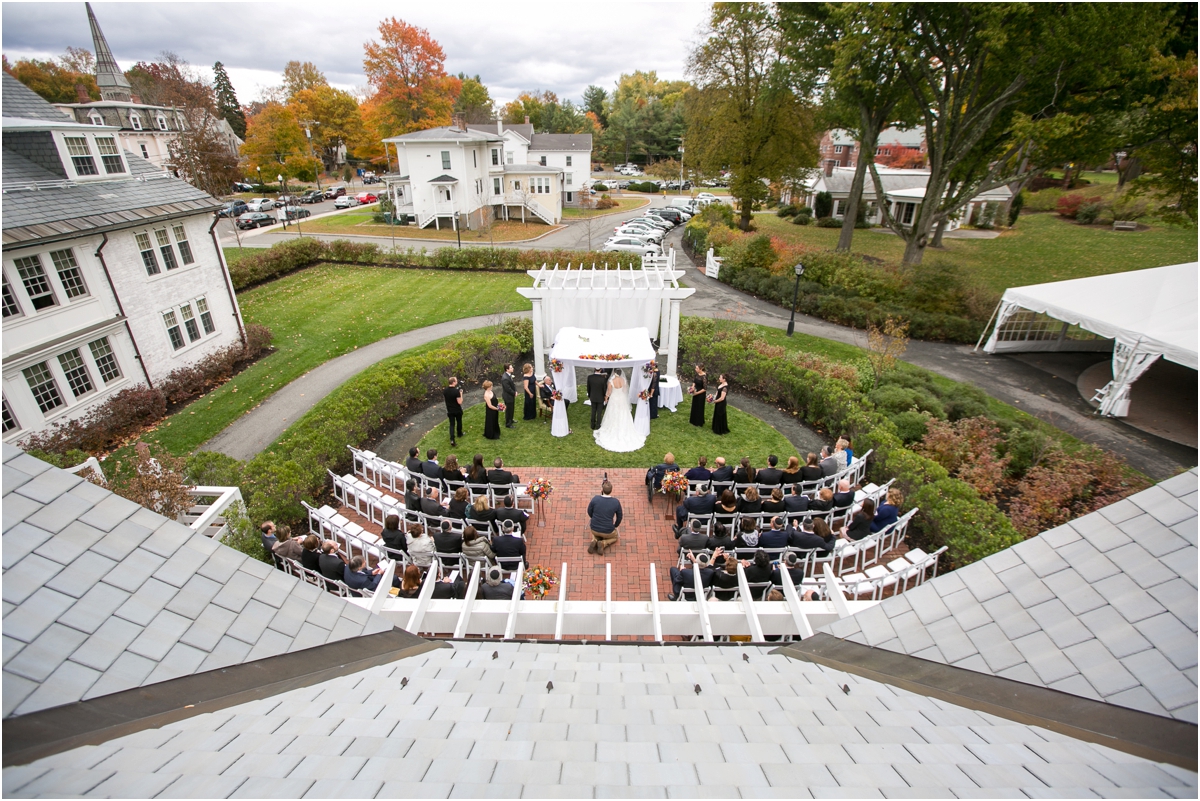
[655, 390]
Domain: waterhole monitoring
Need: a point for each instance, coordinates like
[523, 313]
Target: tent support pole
[986, 327]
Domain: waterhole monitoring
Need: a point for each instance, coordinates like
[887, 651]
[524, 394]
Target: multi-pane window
[189, 322]
[508, 158]
[81, 155]
[445, 159]
[568, 161]
[106, 360]
[10, 422]
[42, 385]
[164, 247]
[496, 187]
[173, 330]
[569, 179]
[137, 124]
[162, 123]
[541, 186]
[185, 250]
[11, 309]
[148, 257]
[109, 154]
[145, 152]
[495, 157]
[76, 372]
[542, 161]
[68, 272]
[205, 316]
[36, 282]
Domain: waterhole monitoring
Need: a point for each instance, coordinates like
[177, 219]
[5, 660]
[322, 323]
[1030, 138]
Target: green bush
[802, 219]
[823, 205]
[242, 535]
[1025, 448]
[644, 186]
[965, 401]
[1089, 212]
[212, 469]
[911, 426]
[786, 211]
[828, 222]
[599, 187]
[892, 399]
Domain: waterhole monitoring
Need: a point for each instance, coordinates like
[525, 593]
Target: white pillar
[664, 326]
[539, 347]
[673, 341]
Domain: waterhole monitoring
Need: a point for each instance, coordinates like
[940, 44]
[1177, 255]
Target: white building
[571, 153]
[112, 277]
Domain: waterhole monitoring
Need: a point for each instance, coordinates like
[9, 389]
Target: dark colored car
[335, 191]
[254, 219]
[667, 214]
[315, 196]
[240, 186]
[233, 208]
[297, 213]
[286, 200]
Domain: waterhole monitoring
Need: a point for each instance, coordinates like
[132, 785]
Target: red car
[366, 197]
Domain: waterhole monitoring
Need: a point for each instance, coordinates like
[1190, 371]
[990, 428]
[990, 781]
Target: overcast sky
[513, 46]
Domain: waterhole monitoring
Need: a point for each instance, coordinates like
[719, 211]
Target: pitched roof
[479, 720]
[524, 130]
[18, 100]
[446, 134]
[101, 595]
[574, 142]
[1103, 607]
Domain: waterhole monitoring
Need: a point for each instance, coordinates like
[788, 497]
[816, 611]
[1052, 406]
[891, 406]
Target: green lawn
[362, 223]
[328, 310]
[530, 442]
[1040, 248]
[623, 204]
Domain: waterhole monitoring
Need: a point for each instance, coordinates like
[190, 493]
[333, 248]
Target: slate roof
[18, 100]
[525, 130]
[101, 595]
[621, 721]
[1103, 607]
[20, 170]
[840, 180]
[446, 134]
[575, 142]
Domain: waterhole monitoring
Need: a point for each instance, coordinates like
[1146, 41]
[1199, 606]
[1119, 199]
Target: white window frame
[497, 186]
[838, 148]
[542, 160]
[121, 169]
[89, 156]
[9, 417]
[36, 259]
[135, 120]
[508, 157]
[145, 150]
[445, 159]
[495, 157]
[162, 122]
[95, 119]
[568, 161]
[64, 261]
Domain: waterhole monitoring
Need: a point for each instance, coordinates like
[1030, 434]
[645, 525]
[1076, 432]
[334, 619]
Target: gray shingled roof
[20, 170]
[20, 101]
[576, 142]
[446, 133]
[840, 180]
[1103, 607]
[101, 595]
[619, 722]
[523, 129]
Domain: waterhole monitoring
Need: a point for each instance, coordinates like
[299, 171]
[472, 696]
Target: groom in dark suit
[508, 389]
[597, 385]
[654, 390]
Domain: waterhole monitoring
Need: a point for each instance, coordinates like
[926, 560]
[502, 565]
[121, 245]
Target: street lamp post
[795, 297]
[259, 169]
[284, 204]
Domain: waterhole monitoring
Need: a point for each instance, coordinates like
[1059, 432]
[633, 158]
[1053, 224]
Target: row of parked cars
[252, 213]
[644, 235]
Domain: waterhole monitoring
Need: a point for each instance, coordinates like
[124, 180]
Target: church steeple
[110, 79]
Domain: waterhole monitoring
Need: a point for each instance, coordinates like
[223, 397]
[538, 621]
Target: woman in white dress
[617, 432]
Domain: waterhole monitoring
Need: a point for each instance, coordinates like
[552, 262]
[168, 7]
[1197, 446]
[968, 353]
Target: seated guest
[725, 581]
[410, 585]
[888, 511]
[694, 538]
[770, 475]
[722, 539]
[413, 463]
[860, 523]
[841, 454]
[481, 515]
[823, 502]
[331, 563]
[495, 587]
[843, 498]
[796, 501]
[829, 463]
[723, 472]
[310, 557]
[267, 530]
[750, 504]
[447, 541]
[848, 450]
[287, 546]
[812, 469]
[430, 504]
[452, 472]
[546, 394]
[820, 538]
[791, 474]
[412, 500]
[747, 534]
[702, 503]
[420, 545]
[509, 511]
[507, 545]
[477, 547]
[759, 569]
[654, 475]
[357, 577]
[775, 536]
[393, 538]
[728, 504]
[794, 567]
[501, 477]
[478, 474]
[775, 503]
[430, 466]
[681, 578]
[746, 474]
[700, 472]
[459, 503]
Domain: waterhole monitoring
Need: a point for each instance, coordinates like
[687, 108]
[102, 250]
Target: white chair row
[867, 551]
[327, 523]
[853, 472]
[392, 477]
[914, 567]
[340, 588]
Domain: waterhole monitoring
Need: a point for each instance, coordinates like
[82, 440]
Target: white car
[640, 231]
[631, 244]
[707, 196]
[651, 220]
[345, 202]
[260, 204]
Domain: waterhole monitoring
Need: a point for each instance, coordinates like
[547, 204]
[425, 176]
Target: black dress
[720, 421]
[698, 402]
[491, 420]
[530, 399]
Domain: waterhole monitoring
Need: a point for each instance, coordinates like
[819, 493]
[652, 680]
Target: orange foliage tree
[406, 69]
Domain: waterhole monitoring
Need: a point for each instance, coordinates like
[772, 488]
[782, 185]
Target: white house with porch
[571, 153]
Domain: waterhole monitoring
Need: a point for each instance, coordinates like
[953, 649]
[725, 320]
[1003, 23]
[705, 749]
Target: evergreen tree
[227, 102]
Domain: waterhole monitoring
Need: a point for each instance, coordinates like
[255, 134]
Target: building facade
[895, 147]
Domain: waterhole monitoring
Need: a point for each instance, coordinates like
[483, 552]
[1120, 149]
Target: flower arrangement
[501, 406]
[556, 365]
[557, 395]
[674, 482]
[539, 489]
[644, 395]
[710, 397]
[648, 369]
[604, 357]
[539, 580]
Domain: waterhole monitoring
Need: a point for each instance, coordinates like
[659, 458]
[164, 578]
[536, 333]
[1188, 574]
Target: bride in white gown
[617, 432]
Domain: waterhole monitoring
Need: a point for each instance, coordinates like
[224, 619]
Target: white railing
[93, 464]
[207, 518]
[712, 264]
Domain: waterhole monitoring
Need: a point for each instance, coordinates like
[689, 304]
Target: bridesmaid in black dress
[491, 415]
[720, 422]
[531, 390]
[698, 398]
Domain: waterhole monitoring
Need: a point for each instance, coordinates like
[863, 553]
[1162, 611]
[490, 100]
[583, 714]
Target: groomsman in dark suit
[654, 390]
[597, 386]
[508, 389]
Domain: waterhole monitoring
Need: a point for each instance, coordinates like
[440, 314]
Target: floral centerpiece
[539, 489]
[604, 357]
[556, 365]
[674, 482]
[710, 397]
[644, 395]
[501, 406]
[648, 369]
[539, 580]
[557, 395]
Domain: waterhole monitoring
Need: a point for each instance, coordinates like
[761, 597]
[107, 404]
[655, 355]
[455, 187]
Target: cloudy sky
[512, 45]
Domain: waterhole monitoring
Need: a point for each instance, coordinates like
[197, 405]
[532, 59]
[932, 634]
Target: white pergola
[579, 296]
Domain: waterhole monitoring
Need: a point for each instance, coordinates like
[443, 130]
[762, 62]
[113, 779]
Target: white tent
[588, 348]
[1147, 313]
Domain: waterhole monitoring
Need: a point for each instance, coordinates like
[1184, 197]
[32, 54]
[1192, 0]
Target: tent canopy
[1152, 310]
[574, 346]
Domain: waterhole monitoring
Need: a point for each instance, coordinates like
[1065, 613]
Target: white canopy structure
[585, 347]
[1146, 313]
[601, 299]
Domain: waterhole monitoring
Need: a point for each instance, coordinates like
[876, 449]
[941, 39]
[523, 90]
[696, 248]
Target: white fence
[206, 516]
[712, 264]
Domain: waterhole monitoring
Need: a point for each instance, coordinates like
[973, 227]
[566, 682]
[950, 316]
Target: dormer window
[81, 155]
[110, 155]
[136, 121]
[162, 123]
[96, 119]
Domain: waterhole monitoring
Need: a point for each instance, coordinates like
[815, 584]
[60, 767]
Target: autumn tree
[276, 144]
[743, 113]
[334, 120]
[301, 75]
[594, 102]
[406, 69]
[56, 80]
[227, 102]
[546, 113]
[474, 102]
[78, 60]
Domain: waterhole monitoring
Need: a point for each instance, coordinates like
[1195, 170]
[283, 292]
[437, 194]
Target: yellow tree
[332, 116]
[406, 68]
[275, 144]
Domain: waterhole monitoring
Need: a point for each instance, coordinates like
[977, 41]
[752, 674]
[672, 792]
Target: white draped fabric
[559, 426]
[670, 394]
[584, 311]
[573, 344]
[1128, 364]
[641, 420]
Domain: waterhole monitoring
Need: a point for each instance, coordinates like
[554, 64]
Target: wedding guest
[393, 538]
[750, 504]
[655, 389]
[508, 547]
[770, 475]
[747, 533]
[459, 504]
[795, 570]
[446, 540]
[412, 500]
[267, 530]
[508, 511]
[477, 474]
[413, 463]
[820, 538]
[287, 547]
[357, 576]
[452, 472]
[477, 547]
[508, 388]
[775, 536]
[430, 467]
[694, 538]
[812, 469]
[498, 476]
[529, 390]
[829, 463]
[888, 511]
[431, 503]
[491, 413]
[796, 501]
[860, 522]
[698, 398]
[702, 503]
[791, 474]
[682, 578]
[720, 418]
[454, 408]
[843, 498]
[700, 472]
[726, 510]
[722, 472]
[481, 515]
[823, 502]
[310, 556]
[605, 516]
[546, 394]
[759, 568]
[840, 454]
[775, 504]
[331, 563]
[725, 581]
[746, 473]
[420, 545]
[720, 538]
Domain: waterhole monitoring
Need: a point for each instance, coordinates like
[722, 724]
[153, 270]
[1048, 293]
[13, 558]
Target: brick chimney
[81, 95]
[459, 122]
[526, 119]
[829, 165]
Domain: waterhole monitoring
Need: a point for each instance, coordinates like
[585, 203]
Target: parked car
[641, 232]
[706, 196]
[239, 186]
[254, 219]
[315, 196]
[335, 191]
[364, 198]
[345, 202]
[629, 244]
[234, 208]
[297, 213]
[260, 204]
[651, 221]
[286, 200]
[674, 215]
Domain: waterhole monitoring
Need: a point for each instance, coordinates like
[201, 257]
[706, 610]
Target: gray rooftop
[101, 595]
[18, 100]
[574, 142]
[525, 130]
[446, 134]
[840, 180]
[1103, 607]
[620, 721]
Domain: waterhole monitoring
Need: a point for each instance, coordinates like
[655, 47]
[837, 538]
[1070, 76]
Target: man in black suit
[498, 476]
[430, 468]
[795, 501]
[412, 500]
[770, 475]
[843, 497]
[597, 385]
[507, 546]
[330, 563]
[413, 462]
[775, 536]
[492, 588]
[447, 541]
[694, 539]
[723, 472]
[655, 389]
[267, 530]
[430, 504]
[509, 511]
[679, 578]
[808, 541]
[795, 570]
[357, 577]
[508, 389]
[829, 465]
[700, 472]
[702, 503]
[454, 410]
